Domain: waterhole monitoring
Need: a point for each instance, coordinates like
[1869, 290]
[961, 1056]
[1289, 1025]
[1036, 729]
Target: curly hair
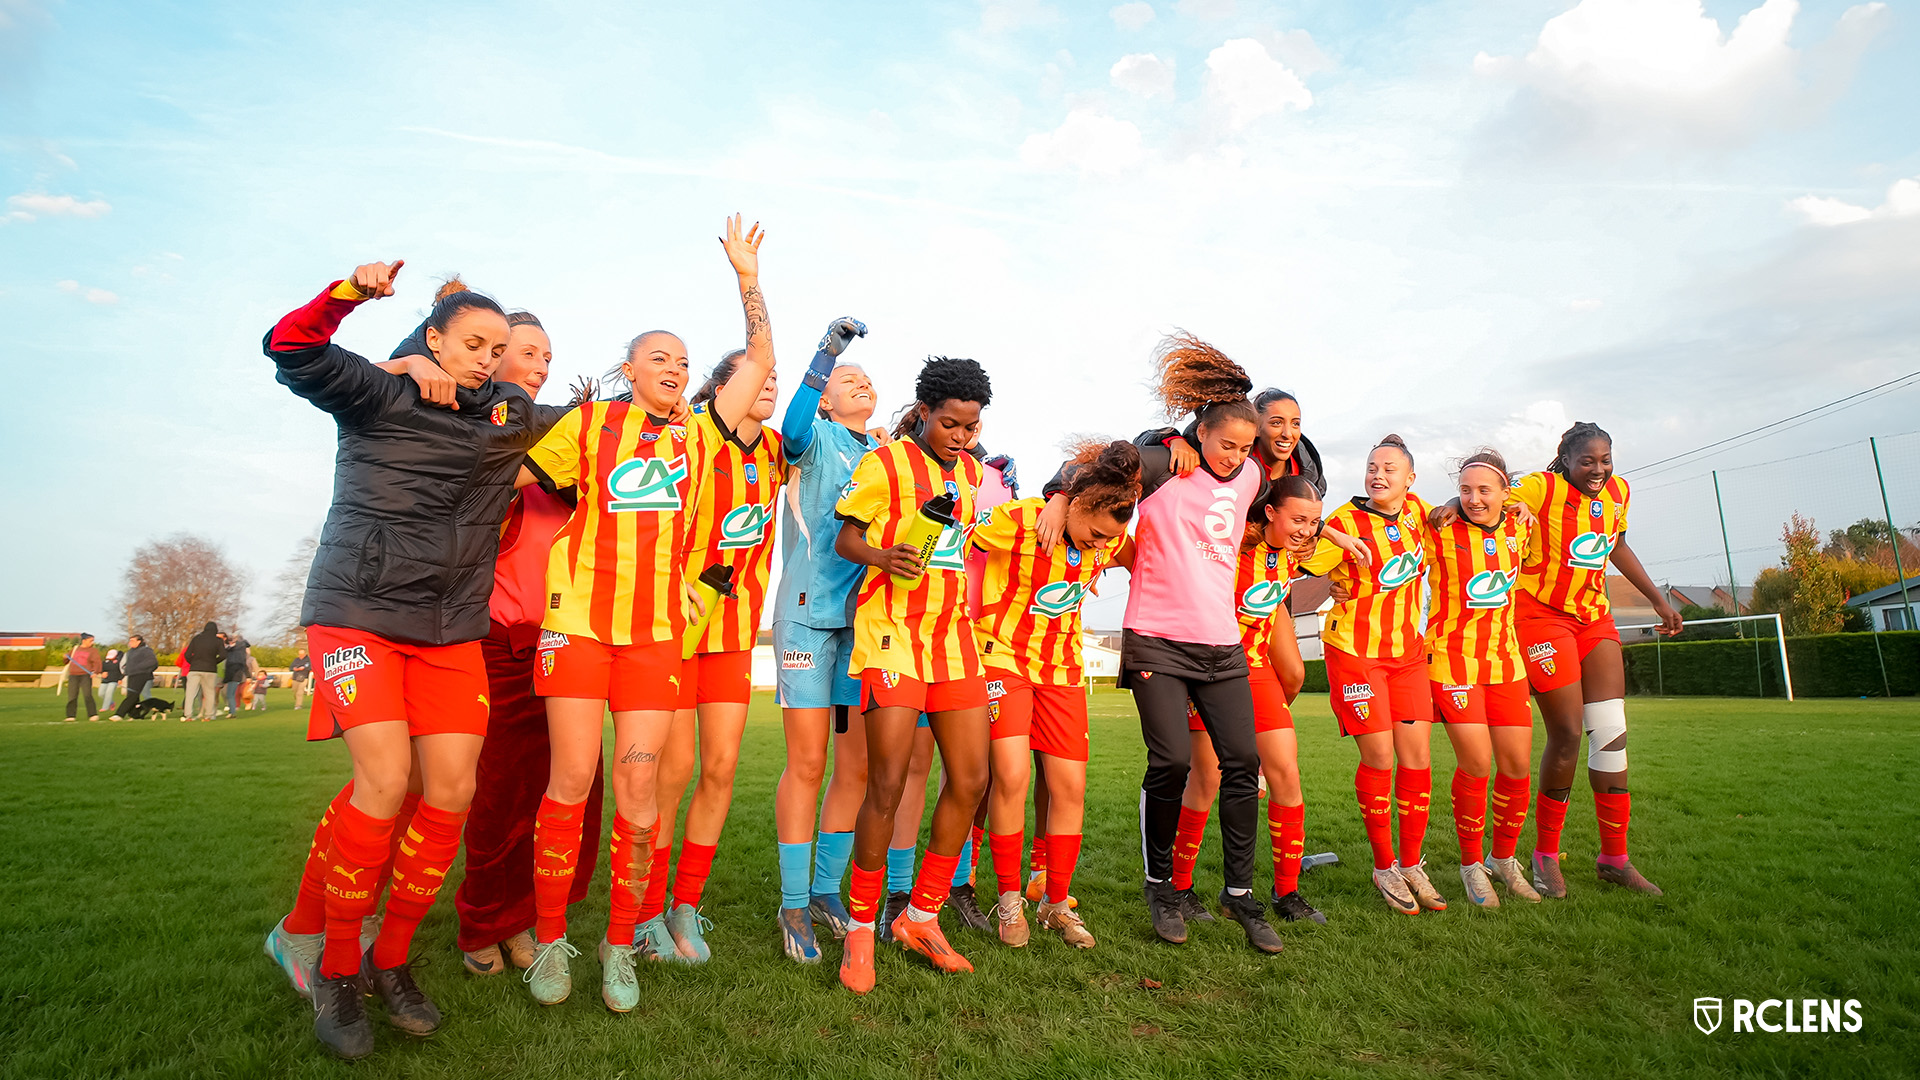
[718, 377]
[943, 379]
[1191, 376]
[1105, 477]
[1572, 439]
[1397, 443]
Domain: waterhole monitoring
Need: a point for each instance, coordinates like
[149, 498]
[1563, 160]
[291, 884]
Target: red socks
[1063, 854]
[409, 806]
[1549, 816]
[631, 857]
[556, 851]
[359, 845]
[1470, 816]
[1413, 791]
[427, 849]
[1613, 810]
[1287, 827]
[1509, 813]
[690, 881]
[935, 881]
[1037, 858]
[655, 901]
[1186, 845]
[1006, 860]
[309, 914]
[863, 893]
[1375, 790]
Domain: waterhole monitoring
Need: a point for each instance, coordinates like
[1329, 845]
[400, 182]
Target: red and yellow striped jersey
[733, 526]
[1029, 620]
[1260, 588]
[1472, 572]
[615, 571]
[921, 630]
[1381, 617]
[1566, 564]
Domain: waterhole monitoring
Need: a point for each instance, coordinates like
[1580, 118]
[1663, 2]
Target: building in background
[1888, 607]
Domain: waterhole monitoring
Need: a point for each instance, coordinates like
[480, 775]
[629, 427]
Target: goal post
[1779, 639]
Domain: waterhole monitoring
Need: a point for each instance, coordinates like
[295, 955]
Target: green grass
[143, 862]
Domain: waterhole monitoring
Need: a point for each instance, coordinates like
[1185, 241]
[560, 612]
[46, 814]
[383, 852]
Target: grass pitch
[143, 862]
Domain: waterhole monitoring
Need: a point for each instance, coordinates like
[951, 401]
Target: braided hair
[943, 379]
[1572, 440]
[1191, 376]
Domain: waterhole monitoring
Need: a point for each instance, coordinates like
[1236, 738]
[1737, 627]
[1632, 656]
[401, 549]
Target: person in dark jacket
[396, 605]
[1283, 448]
[137, 668]
[110, 677]
[203, 655]
[237, 671]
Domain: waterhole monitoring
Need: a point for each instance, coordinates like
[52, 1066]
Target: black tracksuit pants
[1163, 676]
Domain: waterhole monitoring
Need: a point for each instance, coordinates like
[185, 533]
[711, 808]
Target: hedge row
[1825, 665]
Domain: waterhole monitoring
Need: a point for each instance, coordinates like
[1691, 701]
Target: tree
[176, 585]
[289, 592]
[1870, 540]
[1818, 604]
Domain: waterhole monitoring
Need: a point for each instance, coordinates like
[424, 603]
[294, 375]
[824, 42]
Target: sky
[1468, 223]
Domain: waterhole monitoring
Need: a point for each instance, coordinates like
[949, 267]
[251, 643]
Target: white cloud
[27, 206]
[1087, 140]
[997, 16]
[1205, 9]
[1903, 200]
[1625, 73]
[1249, 83]
[90, 295]
[1297, 50]
[1144, 74]
[1132, 16]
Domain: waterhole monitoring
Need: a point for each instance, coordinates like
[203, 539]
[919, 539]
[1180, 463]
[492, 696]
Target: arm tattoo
[757, 326]
[636, 756]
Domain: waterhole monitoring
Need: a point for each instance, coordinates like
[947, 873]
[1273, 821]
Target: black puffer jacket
[419, 491]
[1305, 458]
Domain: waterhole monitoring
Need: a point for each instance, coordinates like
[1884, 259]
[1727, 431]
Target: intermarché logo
[1799, 1016]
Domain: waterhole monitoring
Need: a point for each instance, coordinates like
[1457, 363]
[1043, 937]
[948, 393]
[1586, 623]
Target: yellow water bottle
[929, 523]
[713, 584]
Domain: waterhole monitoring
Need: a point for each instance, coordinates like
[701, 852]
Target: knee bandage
[1605, 723]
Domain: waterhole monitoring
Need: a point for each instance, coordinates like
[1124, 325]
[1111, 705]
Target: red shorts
[1555, 642]
[1270, 710]
[1053, 718]
[714, 677]
[366, 679]
[1494, 704]
[892, 690]
[1369, 695]
[629, 678]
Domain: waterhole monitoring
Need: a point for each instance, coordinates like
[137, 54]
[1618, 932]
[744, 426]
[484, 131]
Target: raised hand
[375, 280]
[743, 249]
[840, 334]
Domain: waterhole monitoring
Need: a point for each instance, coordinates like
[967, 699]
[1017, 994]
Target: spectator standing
[137, 668]
[260, 680]
[201, 660]
[109, 680]
[238, 663]
[83, 663]
[301, 675]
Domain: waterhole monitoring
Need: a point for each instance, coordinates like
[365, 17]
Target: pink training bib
[1186, 546]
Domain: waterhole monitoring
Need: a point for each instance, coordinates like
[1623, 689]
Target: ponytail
[1191, 376]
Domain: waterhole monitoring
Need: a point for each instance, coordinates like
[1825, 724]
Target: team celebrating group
[495, 576]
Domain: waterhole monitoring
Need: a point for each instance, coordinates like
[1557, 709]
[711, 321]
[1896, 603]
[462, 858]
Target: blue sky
[1463, 222]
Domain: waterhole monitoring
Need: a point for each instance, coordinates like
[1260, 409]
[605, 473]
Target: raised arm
[796, 428]
[736, 398]
[336, 380]
[1636, 575]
